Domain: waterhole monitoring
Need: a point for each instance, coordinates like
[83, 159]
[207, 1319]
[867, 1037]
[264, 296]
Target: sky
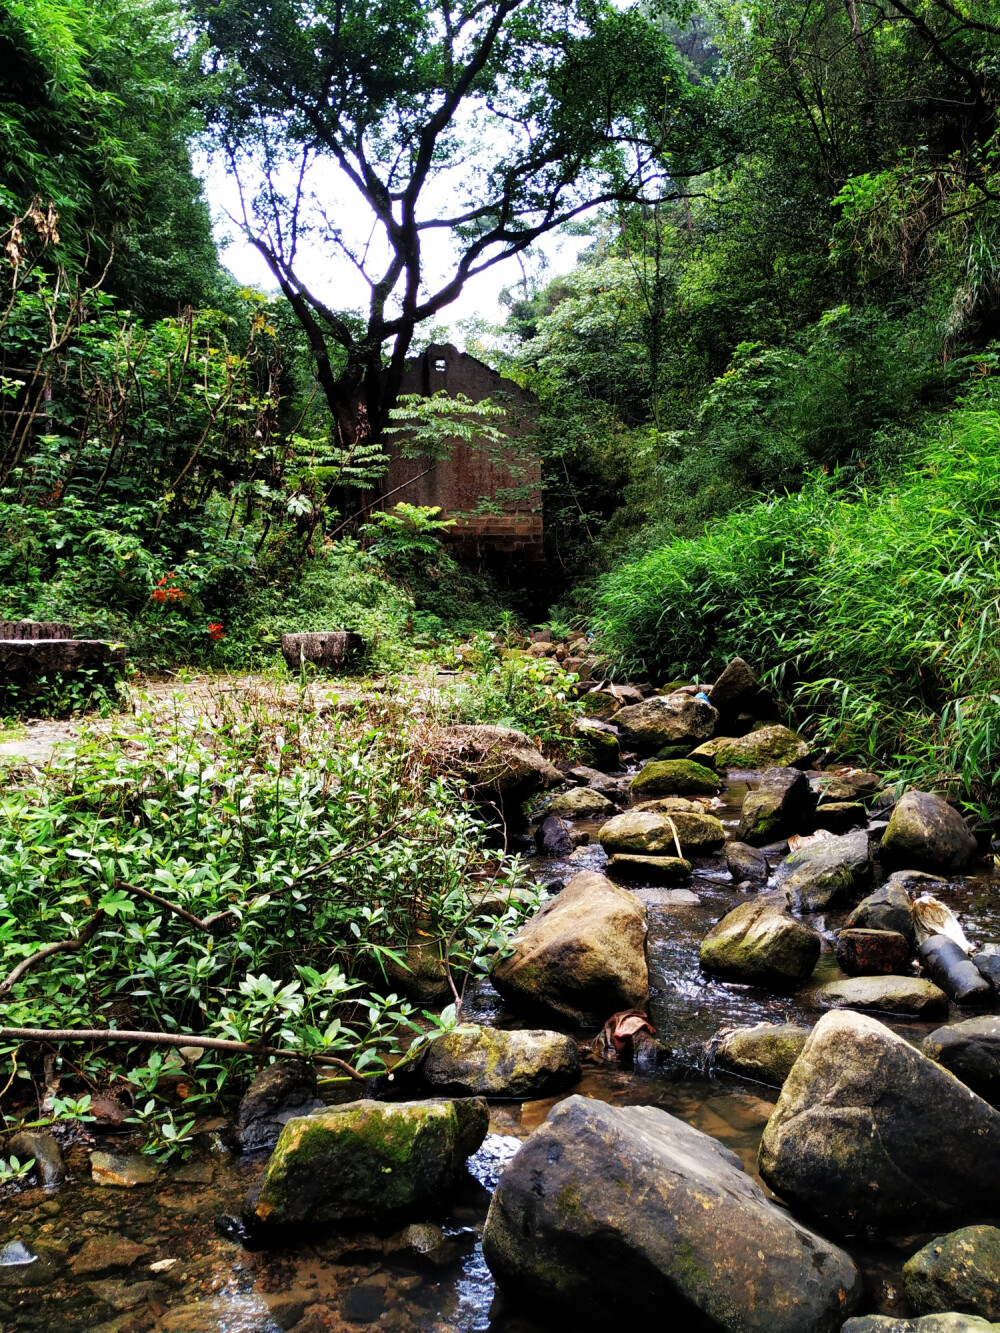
[333, 278]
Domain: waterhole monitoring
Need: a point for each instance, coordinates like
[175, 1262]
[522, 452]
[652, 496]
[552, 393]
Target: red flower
[159, 595]
[216, 631]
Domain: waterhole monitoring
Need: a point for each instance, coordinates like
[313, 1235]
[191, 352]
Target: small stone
[41, 1145]
[125, 1170]
[193, 1173]
[841, 816]
[863, 953]
[888, 908]
[764, 1052]
[553, 837]
[581, 803]
[281, 1090]
[745, 862]
[487, 1062]
[102, 1254]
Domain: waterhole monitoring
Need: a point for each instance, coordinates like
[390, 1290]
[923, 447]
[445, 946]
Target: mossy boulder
[926, 833]
[366, 1161]
[670, 805]
[960, 1272]
[764, 1052]
[782, 803]
[497, 763]
[422, 976]
[672, 719]
[612, 1215]
[868, 1134]
[911, 997]
[599, 743]
[828, 871]
[930, 1323]
[668, 870]
[581, 803]
[760, 942]
[645, 833]
[485, 1062]
[601, 704]
[768, 747]
[675, 777]
[582, 956]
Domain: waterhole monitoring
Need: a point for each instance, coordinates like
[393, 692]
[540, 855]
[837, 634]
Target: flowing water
[189, 1277]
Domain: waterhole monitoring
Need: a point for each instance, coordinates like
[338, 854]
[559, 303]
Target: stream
[188, 1277]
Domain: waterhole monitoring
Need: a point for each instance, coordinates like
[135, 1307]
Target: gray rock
[582, 955]
[648, 833]
[781, 804]
[888, 908]
[672, 719]
[926, 833]
[827, 871]
[870, 1134]
[932, 1323]
[552, 837]
[841, 816]
[581, 803]
[41, 1145]
[745, 862]
[498, 763]
[911, 997]
[284, 1089]
[987, 963]
[764, 1052]
[626, 869]
[366, 1161]
[737, 689]
[768, 747]
[950, 967]
[485, 1062]
[971, 1050]
[760, 942]
[628, 1215]
[960, 1272]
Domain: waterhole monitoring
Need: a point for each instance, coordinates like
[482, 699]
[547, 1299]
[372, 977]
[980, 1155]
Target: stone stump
[327, 649]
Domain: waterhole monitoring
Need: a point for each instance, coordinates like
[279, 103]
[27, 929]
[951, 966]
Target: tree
[487, 123]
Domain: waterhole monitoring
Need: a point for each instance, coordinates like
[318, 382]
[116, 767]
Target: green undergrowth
[322, 836]
[874, 611]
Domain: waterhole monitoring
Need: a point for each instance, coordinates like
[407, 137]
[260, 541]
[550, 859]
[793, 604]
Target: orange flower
[159, 595]
[216, 630]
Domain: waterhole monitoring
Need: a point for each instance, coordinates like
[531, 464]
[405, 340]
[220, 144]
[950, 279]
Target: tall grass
[877, 611]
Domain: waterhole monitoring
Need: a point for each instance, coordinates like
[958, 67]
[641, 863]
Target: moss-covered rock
[365, 1161]
[581, 803]
[870, 1134]
[645, 833]
[782, 803]
[764, 1052]
[485, 1062]
[888, 908]
[675, 777]
[769, 747]
[599, 743]
[960, 1272]
[828, 871]
[626, 869]
[840, 816]
[761, 942]
[423, 975]
[912, 997]
[601, 704]
[617, 1216]
[926, 833]
[497, 762]
[582, 956]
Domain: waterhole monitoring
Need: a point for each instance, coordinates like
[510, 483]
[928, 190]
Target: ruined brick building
[508, 479]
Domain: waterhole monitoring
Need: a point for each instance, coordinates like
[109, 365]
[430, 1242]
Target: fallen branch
[99, 1036]
[88, 931]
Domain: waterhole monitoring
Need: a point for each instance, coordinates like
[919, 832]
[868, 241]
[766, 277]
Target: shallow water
[428, 1279]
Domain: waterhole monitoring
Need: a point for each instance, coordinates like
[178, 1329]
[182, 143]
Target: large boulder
[497, 763]
[600, 742]
[581, 803]
[582, 956]
[768, 747]
[827, 871]
[485, 1062]
[675, 777]
[626, 1214]
[285, 1089]
[737, 690]
[870, 1134]
[366, 1161]
[959, 1272]
[760, 942]
[782, 803]
[670, 719]
[910, 997]
[888, 908]
[971, 1050]
[646, 833]
[764, 1052]
[926, 833]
